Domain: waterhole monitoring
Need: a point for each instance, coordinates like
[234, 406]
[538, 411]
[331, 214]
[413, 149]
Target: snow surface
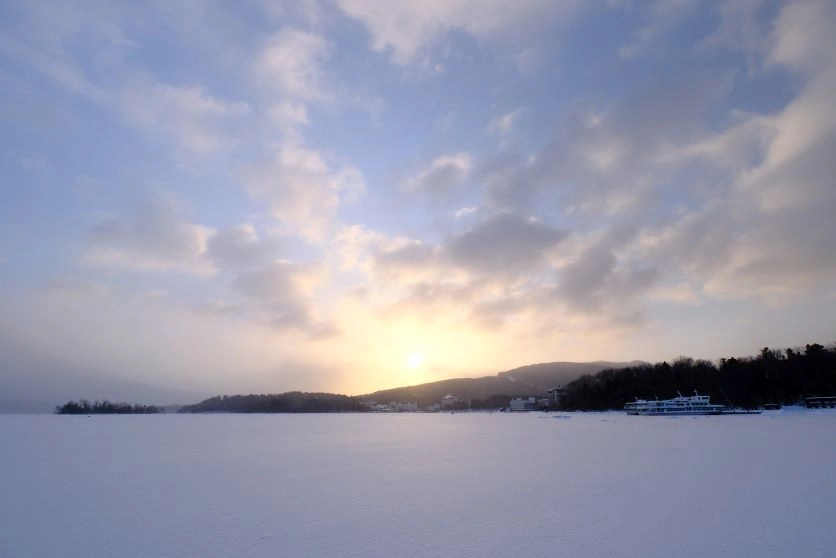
[424, 485]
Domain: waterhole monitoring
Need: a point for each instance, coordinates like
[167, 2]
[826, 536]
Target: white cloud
[502, 126]
[291, 63]
[442, 175]
[803, 34]
[406, 30]
[196, 122]
[767, 234]
[304, 191]
[288, 115]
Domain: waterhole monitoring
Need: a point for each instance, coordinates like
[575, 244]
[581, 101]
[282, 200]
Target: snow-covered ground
[461, 484]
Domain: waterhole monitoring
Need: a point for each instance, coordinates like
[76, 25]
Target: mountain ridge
[530, 379]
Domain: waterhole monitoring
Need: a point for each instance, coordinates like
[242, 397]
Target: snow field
[469, 485]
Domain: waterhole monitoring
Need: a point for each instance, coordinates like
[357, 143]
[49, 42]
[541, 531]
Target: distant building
[450, 401]
[404, 407]
[520, 404]
[820, 402]
[556, 395]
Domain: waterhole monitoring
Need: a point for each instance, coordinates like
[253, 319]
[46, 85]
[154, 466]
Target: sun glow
[415, 360]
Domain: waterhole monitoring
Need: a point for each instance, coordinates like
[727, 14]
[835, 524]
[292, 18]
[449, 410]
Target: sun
[415, 360]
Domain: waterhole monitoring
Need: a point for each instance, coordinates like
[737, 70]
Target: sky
[351, 195]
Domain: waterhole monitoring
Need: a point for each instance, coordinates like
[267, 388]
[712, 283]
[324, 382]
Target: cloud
[288, 115]
[407, 30]
[786, 248]
[442, 175]
[803, 32]
[240, 247]
[193, 120]
[743, 28]
[291, 63]
[283, 293]
[156, 238]
[413, 255]
[465, 211]
[97, 55]
[304, 191]
[502, 126]
[664, 16]
[596, 278]
[499, 247]
[610, 161]
[502, 263]
[761, 231]
[505, 243]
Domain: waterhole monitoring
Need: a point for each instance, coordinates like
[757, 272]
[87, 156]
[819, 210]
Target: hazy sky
[349, 195]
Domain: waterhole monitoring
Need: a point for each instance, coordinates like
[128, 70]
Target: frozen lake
[424, 485]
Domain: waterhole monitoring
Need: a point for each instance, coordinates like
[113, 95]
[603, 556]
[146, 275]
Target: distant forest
[84, 407]
[291, 402]
[773, 376]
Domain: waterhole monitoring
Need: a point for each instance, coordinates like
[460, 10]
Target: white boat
[694, 405]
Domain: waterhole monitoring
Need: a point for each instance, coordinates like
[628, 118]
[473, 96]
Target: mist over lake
[464, 484]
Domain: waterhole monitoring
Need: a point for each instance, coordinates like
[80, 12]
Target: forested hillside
[291, 402]
[84, 407]
[773, 376]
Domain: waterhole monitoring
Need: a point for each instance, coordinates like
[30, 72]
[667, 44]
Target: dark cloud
[597, 279]
[503, 244]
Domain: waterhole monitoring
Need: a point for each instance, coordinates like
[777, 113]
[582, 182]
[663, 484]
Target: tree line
[290, 402]
[84, 407]
[773, 376]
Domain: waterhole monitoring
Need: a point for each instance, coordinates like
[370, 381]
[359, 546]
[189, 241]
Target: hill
[534, 379]
[485, 392]
[289, 402]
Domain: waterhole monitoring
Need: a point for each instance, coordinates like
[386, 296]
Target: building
[820, 402]
[399, 407]
[556, 395]
[450, 401]
[520, 404]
